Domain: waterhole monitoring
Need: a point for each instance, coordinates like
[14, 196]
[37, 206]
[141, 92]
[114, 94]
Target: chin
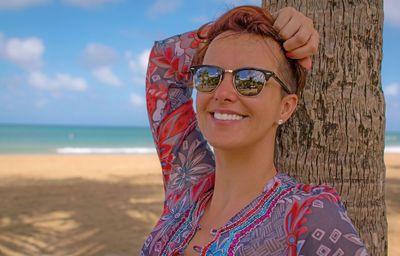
[227, 142]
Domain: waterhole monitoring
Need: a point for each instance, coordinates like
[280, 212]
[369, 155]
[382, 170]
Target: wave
[392, 149]
[82, 151]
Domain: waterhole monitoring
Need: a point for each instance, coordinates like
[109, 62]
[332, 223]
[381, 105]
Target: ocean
[62, 139]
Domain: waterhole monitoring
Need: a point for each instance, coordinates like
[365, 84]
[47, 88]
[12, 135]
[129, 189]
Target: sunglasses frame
[267, 75]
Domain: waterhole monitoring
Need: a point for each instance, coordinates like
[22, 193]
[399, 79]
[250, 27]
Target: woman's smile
[227, 117]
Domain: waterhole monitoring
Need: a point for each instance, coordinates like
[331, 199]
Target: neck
[241, 175]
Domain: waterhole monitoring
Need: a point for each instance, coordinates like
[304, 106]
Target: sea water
[392, 142]
[62, 139]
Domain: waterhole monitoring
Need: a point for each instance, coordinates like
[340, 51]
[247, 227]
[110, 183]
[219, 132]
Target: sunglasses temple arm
[282, 84]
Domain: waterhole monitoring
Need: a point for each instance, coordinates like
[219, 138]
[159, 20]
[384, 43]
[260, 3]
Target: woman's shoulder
[298, 200]
[306, 191]
[304, 198]
[316, 216]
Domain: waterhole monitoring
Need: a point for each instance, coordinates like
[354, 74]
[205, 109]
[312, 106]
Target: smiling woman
[233, 201]
[266, 107]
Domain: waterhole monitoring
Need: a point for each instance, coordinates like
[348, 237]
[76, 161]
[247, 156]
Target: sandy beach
[102, 204]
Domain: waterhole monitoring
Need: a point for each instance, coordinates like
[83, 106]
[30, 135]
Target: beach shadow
[77, 216]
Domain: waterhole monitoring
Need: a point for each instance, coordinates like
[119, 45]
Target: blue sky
[83, 61]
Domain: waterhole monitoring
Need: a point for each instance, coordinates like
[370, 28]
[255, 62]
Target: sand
[101, 205]
[392, 162]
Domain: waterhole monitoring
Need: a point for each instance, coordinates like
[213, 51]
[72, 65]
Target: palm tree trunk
[336, 136]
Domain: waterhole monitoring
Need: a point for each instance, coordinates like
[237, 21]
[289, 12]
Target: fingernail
[289, 55]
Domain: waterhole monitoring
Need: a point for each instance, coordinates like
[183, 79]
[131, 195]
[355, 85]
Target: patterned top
[287, 218]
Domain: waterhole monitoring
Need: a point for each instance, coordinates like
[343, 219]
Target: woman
[232, 200]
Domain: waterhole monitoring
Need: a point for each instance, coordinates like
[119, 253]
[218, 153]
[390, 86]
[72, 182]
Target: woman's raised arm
[184, 154]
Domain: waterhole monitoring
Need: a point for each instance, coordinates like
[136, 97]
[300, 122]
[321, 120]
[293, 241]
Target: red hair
[253, 20]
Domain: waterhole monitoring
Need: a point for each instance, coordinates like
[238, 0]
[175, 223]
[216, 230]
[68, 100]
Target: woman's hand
[301, 38]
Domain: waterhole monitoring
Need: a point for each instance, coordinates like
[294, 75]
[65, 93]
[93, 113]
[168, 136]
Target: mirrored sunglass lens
[206, 79]
[249, 82]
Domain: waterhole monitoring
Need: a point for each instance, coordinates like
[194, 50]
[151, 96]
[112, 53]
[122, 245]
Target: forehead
[232, 50]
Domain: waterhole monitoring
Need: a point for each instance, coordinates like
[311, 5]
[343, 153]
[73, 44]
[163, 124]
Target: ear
[288, 105]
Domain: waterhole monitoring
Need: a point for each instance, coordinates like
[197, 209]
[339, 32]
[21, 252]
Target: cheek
[201, 102]
[201, 107]
[267, 108]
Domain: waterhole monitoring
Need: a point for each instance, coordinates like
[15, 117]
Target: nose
[226, 91]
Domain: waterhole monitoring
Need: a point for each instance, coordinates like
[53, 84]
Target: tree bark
[336, 135]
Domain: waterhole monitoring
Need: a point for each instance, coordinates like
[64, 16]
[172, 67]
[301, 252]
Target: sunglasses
[247, 81]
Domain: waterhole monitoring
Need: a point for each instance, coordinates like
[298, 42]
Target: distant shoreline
[92, 140]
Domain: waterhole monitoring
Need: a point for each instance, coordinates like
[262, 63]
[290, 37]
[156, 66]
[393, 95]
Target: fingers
[305, 63]
[296, 36]
[298, 31]
[297, 23]
[305, 50]
[275, 14]
[282, 17]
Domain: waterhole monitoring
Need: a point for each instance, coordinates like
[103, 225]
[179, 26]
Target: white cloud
[162, 7]
[392, 89]
[17, 4]
[99, 58]
[137, 100]
[106, 76]
[26, 53]
[59, 82]
[99, 55]
[391, 11]
[89, 3]
[138, 66]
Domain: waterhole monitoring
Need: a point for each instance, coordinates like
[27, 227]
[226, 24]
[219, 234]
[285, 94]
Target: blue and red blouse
[287, 218]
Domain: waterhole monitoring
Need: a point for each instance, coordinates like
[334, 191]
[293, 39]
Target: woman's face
[250, 120]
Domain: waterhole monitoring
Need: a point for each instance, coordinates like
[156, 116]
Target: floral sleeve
[184, 154]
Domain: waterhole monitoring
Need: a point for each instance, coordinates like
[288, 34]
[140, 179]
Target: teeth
[221, 116]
